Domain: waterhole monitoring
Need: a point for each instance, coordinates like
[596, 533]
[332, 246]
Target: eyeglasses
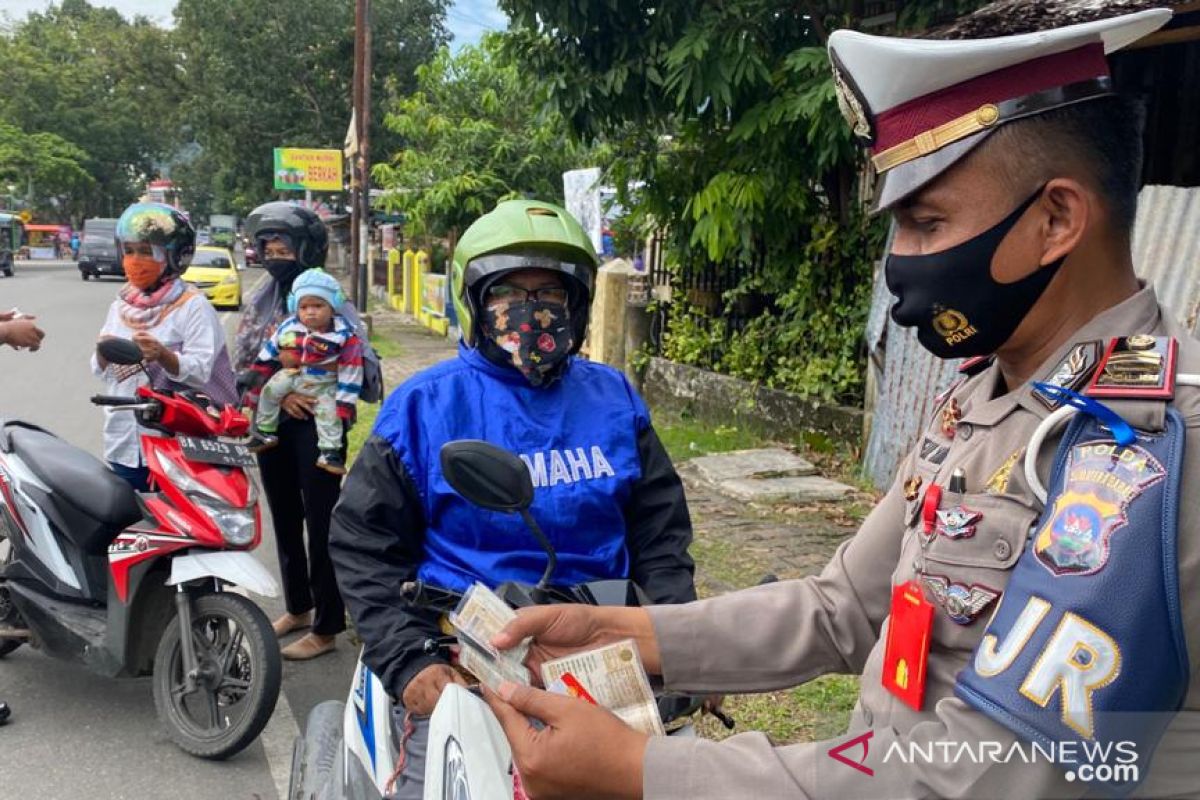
[515, 294]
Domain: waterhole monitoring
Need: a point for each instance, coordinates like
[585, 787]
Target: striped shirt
[334, 355]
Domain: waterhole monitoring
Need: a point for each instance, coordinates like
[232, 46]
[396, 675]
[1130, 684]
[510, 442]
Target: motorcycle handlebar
[113, 400]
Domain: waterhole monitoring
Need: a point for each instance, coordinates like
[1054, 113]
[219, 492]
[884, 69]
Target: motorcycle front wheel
[233, 695]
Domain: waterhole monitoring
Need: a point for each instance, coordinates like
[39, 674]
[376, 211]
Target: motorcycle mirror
[495, 479]
[486, 475]
[119, 351]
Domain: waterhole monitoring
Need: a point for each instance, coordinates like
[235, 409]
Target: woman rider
[605, 490]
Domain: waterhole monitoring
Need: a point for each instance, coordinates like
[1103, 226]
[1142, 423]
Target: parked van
[98, 250]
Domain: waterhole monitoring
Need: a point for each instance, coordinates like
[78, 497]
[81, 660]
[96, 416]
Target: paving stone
[767, 462]
[808, 488]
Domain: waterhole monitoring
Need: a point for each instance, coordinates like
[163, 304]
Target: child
[314, 352]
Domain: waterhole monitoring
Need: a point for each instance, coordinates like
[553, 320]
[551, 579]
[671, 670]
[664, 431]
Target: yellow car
[214, 271]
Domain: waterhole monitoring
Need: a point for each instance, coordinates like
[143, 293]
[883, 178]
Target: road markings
[278, 739]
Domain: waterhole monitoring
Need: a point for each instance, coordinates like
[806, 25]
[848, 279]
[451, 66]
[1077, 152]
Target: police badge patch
[1102, 479]
[958, 522]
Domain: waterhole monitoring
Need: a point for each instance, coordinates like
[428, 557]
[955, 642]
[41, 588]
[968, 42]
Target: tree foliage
[723, 113]
[262, 74]
[471, 137]
[87, 89]
[43, 166]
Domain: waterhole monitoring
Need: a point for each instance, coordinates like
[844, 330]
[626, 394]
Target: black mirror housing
[119, 351]
[486, 475]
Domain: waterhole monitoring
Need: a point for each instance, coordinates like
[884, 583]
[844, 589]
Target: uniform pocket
[993, 540]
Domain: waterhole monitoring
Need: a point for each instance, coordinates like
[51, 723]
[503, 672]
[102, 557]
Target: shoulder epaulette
[1139, 366]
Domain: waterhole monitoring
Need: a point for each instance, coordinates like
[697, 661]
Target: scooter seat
[83, 481]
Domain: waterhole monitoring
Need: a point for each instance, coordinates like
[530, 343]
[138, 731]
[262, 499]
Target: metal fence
[703, 287]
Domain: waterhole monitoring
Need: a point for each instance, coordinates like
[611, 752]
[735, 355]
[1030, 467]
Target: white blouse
[193, 332]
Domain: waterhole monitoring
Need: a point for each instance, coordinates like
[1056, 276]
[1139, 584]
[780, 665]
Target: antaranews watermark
[1090, 761]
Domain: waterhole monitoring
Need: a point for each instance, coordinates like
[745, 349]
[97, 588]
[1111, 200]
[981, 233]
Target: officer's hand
[423, 691]
[299, 406]
[584, 750]
[560, 630]
[18, 333]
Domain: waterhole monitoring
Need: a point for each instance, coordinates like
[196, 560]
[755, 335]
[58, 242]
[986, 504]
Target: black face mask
[533, 336]
[951, 298]
[283, 270]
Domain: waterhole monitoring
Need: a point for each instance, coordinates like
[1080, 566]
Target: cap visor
[899, 182]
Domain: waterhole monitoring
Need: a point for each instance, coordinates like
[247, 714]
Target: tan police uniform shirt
[784, 634]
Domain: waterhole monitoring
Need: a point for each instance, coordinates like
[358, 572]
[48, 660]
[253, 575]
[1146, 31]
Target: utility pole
[360, 26]
[360, 167]
[364, 122]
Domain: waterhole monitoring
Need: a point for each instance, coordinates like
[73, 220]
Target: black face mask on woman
[951, 298]
[283, 270]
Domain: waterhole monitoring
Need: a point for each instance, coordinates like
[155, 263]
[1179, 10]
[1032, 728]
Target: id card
[907, 650]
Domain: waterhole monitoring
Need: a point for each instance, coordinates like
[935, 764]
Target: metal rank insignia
[1140, 366]
[1072, 372]
[933, 452]
[912, 488]
[951, 414]
[962, 603]
[851, 103]
[958, 522]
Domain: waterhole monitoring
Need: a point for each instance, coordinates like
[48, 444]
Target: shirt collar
[1139, 313]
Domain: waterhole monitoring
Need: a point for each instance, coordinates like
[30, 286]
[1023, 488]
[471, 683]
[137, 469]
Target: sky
[467, 19]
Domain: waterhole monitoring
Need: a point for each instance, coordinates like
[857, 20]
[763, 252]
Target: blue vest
[1087, 645]
[579, 439]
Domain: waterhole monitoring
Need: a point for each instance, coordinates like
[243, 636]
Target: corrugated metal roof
[1006, 17]
[1166, 248]
[1166, 252]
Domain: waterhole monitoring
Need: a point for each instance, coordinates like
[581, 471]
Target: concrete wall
[722, 400]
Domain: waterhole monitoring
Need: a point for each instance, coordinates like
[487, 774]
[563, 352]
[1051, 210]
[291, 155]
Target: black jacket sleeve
[658, 528]
[376, 542]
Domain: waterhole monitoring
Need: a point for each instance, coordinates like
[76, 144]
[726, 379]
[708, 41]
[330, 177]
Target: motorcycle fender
[236, 567]
[467, 755]
[370, 749]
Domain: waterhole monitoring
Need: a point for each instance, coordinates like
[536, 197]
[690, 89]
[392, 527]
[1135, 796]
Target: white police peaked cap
[919, 105]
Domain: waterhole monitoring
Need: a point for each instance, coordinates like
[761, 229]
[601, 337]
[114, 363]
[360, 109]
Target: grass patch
[386, 347]
[820, 709]
[688, 438]
[361, 430]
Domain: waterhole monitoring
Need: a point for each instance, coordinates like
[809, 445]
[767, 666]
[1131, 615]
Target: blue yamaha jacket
[605, 494]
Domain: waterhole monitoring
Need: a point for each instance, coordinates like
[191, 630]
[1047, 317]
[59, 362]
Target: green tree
[47, 170]
[723, 113]
[277, 73]
[471, 139]
[102, 84]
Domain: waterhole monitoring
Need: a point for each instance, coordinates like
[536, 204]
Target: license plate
[212, 451]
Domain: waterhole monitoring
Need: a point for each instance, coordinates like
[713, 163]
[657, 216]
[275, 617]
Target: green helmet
[523, 234]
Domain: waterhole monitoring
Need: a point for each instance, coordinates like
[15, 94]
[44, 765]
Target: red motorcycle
[130, 583]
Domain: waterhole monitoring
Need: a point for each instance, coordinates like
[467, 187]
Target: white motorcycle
[349, 751]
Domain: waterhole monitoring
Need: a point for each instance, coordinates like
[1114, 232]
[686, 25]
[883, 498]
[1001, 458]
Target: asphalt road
[74, 734]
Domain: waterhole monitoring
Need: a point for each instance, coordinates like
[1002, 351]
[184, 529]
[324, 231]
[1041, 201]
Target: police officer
[17, 331]
[982, 614]
[606, 492]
